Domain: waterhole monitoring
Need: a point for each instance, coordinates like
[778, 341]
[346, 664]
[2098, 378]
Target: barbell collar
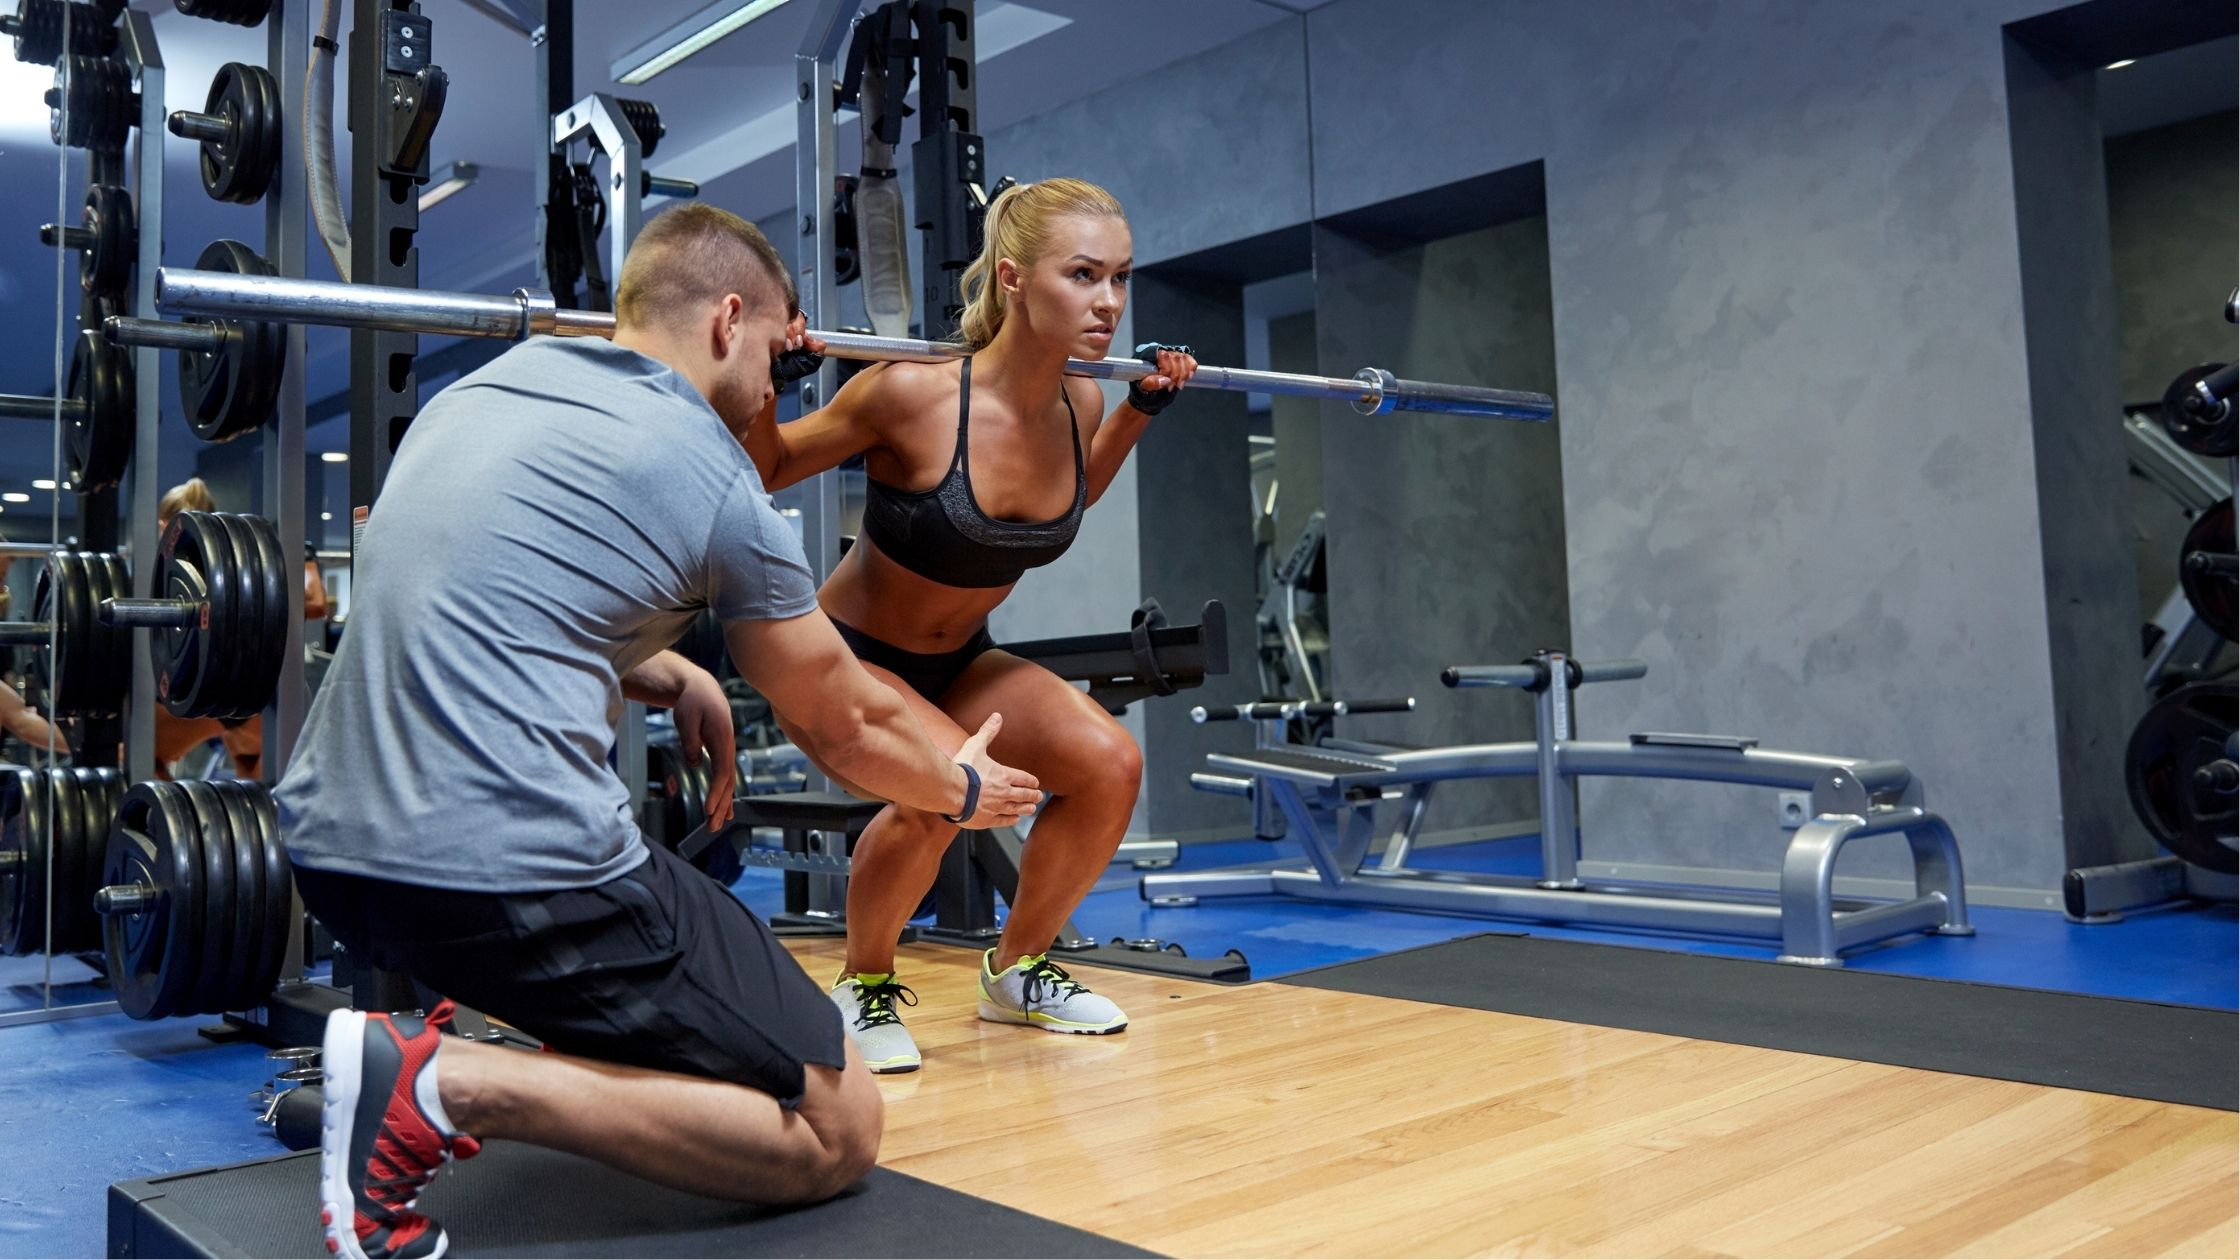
[39, 407]
[540, 311]
[653, 185]
[121, 899]
[187, 124]
[160, 613]
[163, 334]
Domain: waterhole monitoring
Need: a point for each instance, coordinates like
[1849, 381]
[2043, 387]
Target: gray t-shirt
[550, 523]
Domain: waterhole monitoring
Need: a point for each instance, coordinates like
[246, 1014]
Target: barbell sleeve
[528, 312]
[1522, 676]
[653, 185]
[25, 633]
[160, 613]
[161, 334]
[1612, 671]
[39, 407]
[187, 124]
[66, 237]
[119, 899]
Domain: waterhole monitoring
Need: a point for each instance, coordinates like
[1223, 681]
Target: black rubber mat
[2179, 1054]
[515, 1200]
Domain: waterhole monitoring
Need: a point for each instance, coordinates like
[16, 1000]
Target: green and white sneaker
[866, 1001]
[1038, 992]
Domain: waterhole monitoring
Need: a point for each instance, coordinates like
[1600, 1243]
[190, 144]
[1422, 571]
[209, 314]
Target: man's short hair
[690, 256]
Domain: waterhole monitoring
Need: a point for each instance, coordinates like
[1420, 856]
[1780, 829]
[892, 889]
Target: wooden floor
[1276, 1121]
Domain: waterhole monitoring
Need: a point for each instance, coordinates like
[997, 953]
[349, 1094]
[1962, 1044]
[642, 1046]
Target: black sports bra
[942, 535]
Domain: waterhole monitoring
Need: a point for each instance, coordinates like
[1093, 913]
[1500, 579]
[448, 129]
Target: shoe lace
[875, 1002]
[1045, 978]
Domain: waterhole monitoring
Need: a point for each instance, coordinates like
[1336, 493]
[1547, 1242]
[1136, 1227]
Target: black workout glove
[794, 365]
[1152, 402]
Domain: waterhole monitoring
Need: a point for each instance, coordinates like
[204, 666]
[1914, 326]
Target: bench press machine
[1329, 798]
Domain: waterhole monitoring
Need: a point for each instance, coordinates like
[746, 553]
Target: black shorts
[658, 968]
[930, 674]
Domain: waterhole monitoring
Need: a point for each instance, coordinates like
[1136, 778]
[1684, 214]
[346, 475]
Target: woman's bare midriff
[895, 606]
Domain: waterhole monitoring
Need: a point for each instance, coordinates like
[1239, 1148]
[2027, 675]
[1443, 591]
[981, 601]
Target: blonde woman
[980, 469]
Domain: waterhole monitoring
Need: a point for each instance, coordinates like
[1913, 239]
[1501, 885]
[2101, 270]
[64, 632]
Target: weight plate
[2184, 732]
[151, 947]
[109, 648]
[193, 564]
[97, 789]
[268, 570]
[221, 918]
[2215, 596]
[249, 946]
[239, 168]
[66, 845]
[23, 864]
[235, 644]
[98, 92]
[235, 12]
[279, 892]
[39, 32]
[101, 434]
[105, 267]
[2214, 432]
[232, 390]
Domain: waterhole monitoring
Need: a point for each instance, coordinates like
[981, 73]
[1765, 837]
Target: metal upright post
[555, 44]
[287, 49]
[138, 44]
[814, 165]
[1559, 814]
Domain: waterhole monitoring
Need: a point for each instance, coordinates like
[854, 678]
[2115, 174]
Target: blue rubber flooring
[88, 1102]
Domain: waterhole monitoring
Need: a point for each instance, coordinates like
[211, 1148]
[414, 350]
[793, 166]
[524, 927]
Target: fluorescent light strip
[15, 496]
[2118, 65]
[335, 457]
[42, 484]
[690, 36]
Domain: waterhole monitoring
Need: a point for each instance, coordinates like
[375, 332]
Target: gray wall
[1446, 533]
[1297, 426]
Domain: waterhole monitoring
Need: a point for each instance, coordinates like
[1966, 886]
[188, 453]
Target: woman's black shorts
[930, 674]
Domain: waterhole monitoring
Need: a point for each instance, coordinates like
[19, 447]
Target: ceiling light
[688, 37]
[335, 457]
[2118, 65]
[449, 178]
[326, 516]
[42, 484]
[15, 496]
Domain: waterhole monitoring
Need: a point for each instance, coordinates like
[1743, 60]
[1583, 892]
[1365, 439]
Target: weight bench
[1329, 799]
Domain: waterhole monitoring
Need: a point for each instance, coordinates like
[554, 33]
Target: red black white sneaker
[384, 1135]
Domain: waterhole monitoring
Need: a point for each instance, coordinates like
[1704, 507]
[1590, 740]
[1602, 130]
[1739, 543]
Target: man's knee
[849, 1117]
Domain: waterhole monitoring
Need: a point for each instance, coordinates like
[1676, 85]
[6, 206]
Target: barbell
[251, 298]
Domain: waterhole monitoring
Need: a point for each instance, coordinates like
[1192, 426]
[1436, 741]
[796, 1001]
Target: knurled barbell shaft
[160, 613]
[190, 124]
[39, 407]
[163, 334]
[528, 312]
[67, 237]
[125, 899]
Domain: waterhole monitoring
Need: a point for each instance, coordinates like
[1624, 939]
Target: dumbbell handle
[2220, 562]
[25, 633]
[39, 407]
[162, 613]
[1529, 677]
[1269, 710]
[206, 128]
[66, 237]
[125, 899]
[163, 334]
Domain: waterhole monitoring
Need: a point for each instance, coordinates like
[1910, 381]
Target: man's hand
[1006, 795]
[703, 717]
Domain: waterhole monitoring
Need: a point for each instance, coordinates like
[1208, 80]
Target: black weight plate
[23, 845]
[151, 951]
[270, 571]
[248, 895]
[63, 597]
[2215, 596]
[231, 391]
[98, 790]
[65, 845]
[100, 436]
[221, 918]
[238, 168]
[109, 658]
[279, 891]
[236, 644]
[182, 653]
[105, 268]
[265, 146]
[2217, 434]
[2184, 731]
[236, 12]
[76, 927]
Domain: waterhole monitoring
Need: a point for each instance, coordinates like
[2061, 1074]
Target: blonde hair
[191, 495]
[1018, 228]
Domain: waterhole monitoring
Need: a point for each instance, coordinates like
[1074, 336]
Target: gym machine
[1330, 797]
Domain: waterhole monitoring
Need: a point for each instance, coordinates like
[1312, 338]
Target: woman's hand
[1175, 366]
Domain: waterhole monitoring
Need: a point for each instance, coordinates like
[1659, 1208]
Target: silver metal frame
[1332, 811]
[814, 167]
[529, 312]
[286, 241]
